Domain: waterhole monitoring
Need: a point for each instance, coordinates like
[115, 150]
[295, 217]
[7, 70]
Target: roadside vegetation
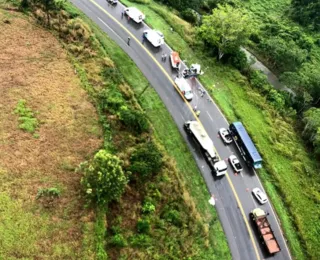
[290, 174]
[142, 202]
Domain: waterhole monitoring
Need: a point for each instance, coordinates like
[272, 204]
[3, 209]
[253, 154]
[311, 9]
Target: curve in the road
[195, 116]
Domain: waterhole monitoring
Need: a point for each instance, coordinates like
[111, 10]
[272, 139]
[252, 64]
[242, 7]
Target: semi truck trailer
[198, 133]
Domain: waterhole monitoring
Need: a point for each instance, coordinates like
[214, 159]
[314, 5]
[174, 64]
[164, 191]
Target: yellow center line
[195, 116]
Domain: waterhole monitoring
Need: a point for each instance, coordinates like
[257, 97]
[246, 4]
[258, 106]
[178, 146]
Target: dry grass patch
[34, 67]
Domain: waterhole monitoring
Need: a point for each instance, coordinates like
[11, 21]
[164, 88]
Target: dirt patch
[34, 67]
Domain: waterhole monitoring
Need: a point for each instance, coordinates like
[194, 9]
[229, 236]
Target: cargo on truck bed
[259, 217]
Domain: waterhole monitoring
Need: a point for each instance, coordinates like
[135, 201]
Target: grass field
[294, 194]
[38, 71]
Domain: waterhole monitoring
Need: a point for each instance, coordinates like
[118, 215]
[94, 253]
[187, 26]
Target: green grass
[188, 172]
[15, 223]
[293, 193]
[27, 120]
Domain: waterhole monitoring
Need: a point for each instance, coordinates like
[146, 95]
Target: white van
[155, 37]
[134, 14]
[184, 88]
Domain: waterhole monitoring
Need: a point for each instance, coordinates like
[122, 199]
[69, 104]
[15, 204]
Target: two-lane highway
[232, 192]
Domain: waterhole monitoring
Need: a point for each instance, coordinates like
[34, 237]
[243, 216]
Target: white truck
[194, 129]
[155, 37]
[134, 14]
[184, 88]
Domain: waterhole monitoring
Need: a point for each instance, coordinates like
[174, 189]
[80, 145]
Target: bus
[245, 145]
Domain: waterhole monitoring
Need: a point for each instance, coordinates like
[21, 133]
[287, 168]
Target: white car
[235, 163]
[260, 195]
[135, 14]
[225, 135]
[155, 37]
[184, 88]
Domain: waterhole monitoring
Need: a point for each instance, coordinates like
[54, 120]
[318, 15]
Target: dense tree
[307, 12]
[311, 131]
[227, 29]
[103, 179]
[284, 55]
[146, 160]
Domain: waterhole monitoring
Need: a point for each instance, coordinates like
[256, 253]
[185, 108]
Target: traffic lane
[226, 207]
[135, 28]
[170, 106]
[245, 182]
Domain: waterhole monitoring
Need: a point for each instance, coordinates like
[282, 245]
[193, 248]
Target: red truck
[259, 217]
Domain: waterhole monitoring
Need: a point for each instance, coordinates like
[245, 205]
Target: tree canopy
[227, 29]
[311, 131]
[103, 179]
[307, 12]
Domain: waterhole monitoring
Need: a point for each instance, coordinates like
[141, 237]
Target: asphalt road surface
[232, 192]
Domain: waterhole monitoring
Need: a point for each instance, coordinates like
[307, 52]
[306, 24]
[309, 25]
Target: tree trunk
[220, 54]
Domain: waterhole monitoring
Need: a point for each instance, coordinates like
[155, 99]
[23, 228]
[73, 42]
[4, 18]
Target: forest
[285, 36]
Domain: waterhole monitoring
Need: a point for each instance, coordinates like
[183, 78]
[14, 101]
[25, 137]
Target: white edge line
[209, 116]
[110, 29]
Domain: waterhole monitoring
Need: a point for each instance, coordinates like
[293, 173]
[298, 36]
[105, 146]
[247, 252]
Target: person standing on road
[129, 40]
[165, 57]
[162, 57]
[122, 14]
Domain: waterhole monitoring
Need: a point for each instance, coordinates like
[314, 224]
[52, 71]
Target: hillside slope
[35, 68]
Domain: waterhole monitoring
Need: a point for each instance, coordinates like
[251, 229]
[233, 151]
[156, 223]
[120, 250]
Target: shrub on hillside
[143, 226]
[135, 120]
[239, 60]
[110, 99]
[172, 216]
[190, 16]
[311, 131]
[148, 157]
[259, 81]
[140, 240]
[148, 207]
[145, 2]
[118, 240]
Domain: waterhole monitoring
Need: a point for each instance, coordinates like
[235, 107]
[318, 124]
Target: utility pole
[143, 91]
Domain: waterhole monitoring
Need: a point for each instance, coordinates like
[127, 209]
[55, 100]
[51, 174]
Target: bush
[143, 168]
[111, 99]
[145, 2]
[259, 80]
[134, 120]
[113, 74]
[147, 158]
[103, 179]
[48, 192]
[118, 240]
[143, 226]
[173, 216]
[239, 60]
[140, 240]
[190, 16]
[148, 208]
